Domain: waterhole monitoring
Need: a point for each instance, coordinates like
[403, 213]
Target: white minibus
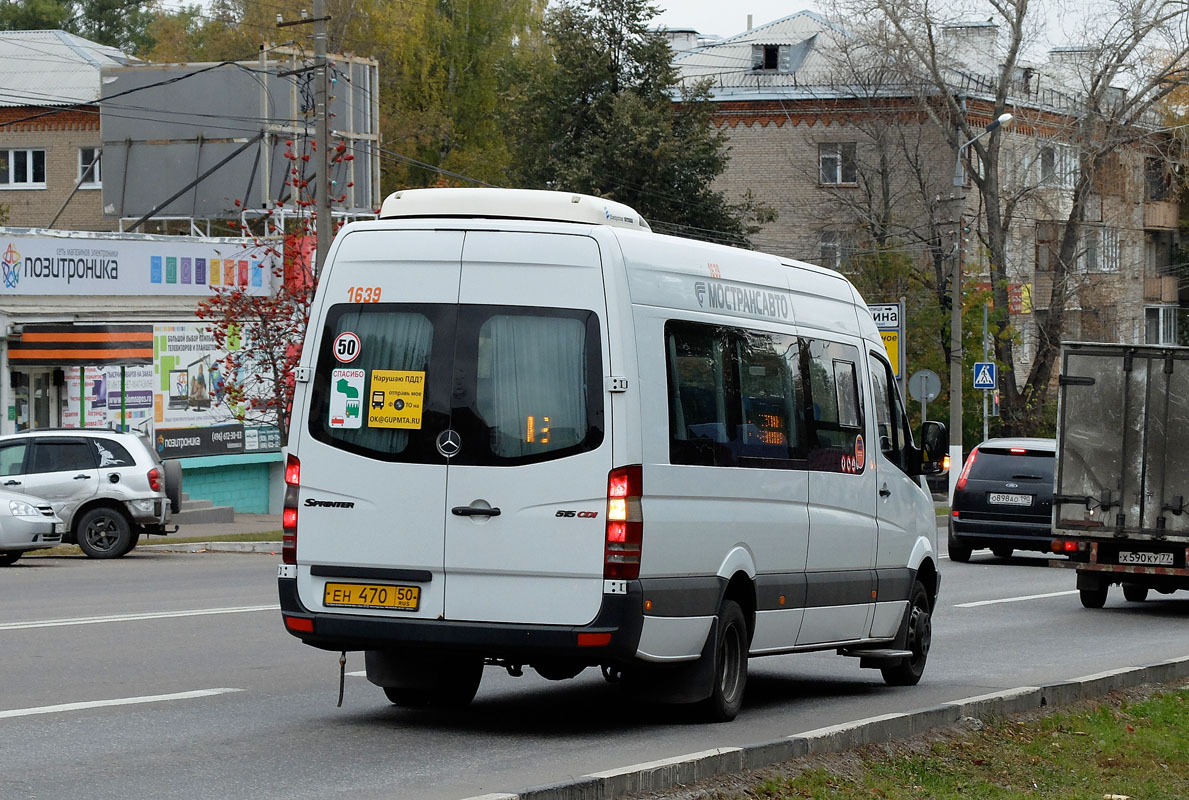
[528, 431]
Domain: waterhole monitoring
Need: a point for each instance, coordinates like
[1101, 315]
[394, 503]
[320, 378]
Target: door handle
[474, 511]
[885, 491]
[12, 483]
[82, 477]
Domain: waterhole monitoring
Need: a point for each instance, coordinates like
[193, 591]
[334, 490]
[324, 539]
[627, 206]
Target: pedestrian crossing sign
[984, 375]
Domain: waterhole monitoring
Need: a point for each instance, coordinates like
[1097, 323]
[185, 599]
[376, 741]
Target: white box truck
[528, 431]
[1122, 483]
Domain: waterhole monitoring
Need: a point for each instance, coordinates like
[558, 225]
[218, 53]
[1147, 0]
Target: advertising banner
[191, 412]
[179, 400]
[40, 264]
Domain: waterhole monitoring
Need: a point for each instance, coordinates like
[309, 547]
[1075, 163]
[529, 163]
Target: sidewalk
[243, 523]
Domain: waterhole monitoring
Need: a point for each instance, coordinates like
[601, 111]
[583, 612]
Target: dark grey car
[1004, 498]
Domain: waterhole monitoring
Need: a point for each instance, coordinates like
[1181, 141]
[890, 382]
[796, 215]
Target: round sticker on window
[860, 453]
[346, 347]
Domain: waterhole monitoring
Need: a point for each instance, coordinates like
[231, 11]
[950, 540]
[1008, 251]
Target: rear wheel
[1136, 594]
[730, 665]
[1093, 598]
[1002, 552]
[454, 686]
[9, 557]
[958, 551]
[104, 533]
[132, 542]
[920, 638]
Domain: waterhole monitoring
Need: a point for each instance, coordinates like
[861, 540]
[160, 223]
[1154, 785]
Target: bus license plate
[1152, 559]
[368, 595]
[1009, 499]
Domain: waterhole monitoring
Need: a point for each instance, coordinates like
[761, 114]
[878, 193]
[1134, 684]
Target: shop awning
[62, 345]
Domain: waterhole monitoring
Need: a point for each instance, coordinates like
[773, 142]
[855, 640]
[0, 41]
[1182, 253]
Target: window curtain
[531, 390]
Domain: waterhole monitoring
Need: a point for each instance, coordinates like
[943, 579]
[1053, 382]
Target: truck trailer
[1122, 481]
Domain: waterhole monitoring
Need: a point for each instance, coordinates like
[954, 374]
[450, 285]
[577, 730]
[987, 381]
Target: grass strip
[1135, 746]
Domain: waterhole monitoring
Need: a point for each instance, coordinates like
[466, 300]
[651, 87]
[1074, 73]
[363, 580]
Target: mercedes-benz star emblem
[449, 443]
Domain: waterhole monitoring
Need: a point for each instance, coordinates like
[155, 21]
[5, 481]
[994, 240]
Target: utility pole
[323, 228]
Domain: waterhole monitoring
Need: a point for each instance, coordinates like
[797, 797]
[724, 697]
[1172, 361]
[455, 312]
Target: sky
[722, 18]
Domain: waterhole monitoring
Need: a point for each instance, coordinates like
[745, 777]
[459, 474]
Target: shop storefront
[101, 332]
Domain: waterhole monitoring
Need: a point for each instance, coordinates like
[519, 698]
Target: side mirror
[935, 445]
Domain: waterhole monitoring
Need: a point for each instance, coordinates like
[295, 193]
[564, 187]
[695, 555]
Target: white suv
[107, 487]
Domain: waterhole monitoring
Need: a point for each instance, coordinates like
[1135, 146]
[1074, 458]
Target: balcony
[1160, 215]
[1161, 289]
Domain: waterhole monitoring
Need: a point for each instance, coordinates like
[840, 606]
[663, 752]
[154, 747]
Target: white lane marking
[1015, 599]
[120, 701]
[196, 612]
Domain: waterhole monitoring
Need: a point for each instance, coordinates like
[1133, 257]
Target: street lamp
[956, 319]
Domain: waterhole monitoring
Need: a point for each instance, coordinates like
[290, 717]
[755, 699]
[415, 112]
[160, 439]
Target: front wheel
[730, 665]
[9, 557]
[920, 638]
[104, 533]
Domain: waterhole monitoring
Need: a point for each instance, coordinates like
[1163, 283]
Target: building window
[88, 168]
[1057, 166]
[768, 58]
[22, 169]
[1048, 244]
[1100, 249]
[1156, 179]
[837, 163]
[835, 250]
[1160, 325]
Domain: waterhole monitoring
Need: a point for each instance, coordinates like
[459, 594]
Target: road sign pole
[986, 357]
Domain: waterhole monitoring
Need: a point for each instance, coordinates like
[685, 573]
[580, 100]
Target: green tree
[592, 107]
[122, 24]
[441, 69]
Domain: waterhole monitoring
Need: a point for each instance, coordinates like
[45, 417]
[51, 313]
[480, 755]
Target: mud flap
[394, 669]
[901, 640]
[1091, 581]
[687, 682]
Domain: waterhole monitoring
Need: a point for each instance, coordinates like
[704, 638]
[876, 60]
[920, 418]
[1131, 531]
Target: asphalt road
[168, 675]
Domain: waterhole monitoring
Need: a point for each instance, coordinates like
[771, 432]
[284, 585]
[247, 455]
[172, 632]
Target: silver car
[108, 487]
[26, 523]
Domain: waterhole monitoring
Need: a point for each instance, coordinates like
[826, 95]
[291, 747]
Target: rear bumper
[988, 533]
[621, 617]
[148, 512]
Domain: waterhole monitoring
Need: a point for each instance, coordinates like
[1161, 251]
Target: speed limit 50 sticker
[346, 347]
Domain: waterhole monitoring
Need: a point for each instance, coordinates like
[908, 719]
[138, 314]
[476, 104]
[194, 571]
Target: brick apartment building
[50, 176]
[844, 159]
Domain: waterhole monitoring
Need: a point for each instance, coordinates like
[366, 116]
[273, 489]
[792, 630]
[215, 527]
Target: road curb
[673, 772]
[214, 547]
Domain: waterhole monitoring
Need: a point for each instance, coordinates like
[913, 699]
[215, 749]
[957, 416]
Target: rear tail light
[625, 524]
[966, 469]
[1065, 546]
[155, 479]
[289, 511]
